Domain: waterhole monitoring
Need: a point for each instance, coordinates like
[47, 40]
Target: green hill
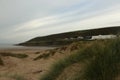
[60, 39]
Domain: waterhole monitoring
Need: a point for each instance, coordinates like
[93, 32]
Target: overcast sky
[21, 20]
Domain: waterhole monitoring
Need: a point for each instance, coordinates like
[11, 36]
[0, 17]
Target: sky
[21, 20]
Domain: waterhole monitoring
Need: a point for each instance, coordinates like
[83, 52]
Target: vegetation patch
[101, 60]
[46, 55]
[14, 55]
[1, 62]
[37, 53]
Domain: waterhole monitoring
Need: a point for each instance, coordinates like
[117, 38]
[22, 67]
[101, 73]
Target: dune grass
[105, 66]
[60, 65]
[46, 55]
[14, 55]
[1, 62]
[101, 59]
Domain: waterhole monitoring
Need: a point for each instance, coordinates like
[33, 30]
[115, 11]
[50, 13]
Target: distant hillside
[60, 39]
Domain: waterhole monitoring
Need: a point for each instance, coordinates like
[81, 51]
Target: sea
[12, 46]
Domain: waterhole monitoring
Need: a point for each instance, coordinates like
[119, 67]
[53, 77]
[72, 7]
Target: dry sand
[27, 68]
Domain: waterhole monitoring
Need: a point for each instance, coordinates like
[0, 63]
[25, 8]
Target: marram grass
[103, 59]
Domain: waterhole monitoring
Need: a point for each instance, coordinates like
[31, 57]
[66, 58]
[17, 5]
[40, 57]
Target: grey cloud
[15, 13]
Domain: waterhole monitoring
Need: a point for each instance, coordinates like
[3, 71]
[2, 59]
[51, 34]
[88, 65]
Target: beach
[35, 65]
[26, 67]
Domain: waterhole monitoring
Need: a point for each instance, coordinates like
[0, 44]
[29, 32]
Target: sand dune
[28, 68]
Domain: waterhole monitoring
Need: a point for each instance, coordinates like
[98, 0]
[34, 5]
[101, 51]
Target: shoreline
[25, 49]
[28, 48]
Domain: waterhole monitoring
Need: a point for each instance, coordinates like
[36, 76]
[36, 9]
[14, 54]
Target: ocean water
[12, 46]
[9, 46]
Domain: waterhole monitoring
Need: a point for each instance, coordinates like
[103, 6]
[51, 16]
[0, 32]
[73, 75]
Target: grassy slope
[99, 60]
[57, 39]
